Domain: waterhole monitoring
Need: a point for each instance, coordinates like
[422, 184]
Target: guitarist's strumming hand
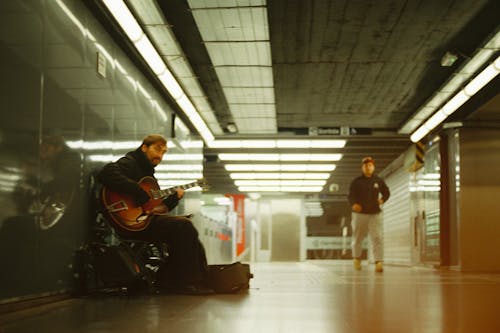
[148, 207]
[143, 199]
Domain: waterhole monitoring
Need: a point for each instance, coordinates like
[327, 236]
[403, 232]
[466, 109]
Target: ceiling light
[125, 18]
[280, 167]
[258, 143]
[453, 104]
[179, 167]
[279, 157]
[310, 143]
[172, 86]
[280, 143]
[482, 79]
[271, 175]
[177, 182]
[183, 157]
[280, 189]
[280, 182]
[178, 175]
[149, 53]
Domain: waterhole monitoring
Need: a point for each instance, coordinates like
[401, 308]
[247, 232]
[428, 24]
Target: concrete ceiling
[367, 65]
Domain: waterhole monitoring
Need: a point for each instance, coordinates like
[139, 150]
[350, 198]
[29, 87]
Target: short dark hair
[368, 159]
[152, 139]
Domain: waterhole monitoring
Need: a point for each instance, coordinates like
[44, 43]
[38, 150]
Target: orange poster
[239, 208]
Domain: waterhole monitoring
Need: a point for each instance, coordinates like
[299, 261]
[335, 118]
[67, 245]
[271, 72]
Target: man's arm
[355, 206]
[384, 190]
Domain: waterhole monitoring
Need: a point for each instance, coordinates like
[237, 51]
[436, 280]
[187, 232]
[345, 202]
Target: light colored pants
[363, 224]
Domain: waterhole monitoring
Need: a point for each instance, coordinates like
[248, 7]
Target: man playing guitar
[131, 176]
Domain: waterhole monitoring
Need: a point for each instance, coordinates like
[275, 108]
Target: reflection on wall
[55, 106]
[431, 229]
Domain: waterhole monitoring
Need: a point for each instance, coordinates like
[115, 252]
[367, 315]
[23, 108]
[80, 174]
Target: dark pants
[187, 262]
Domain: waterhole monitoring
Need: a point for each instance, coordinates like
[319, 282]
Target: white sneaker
[379, 267]
[357, 264]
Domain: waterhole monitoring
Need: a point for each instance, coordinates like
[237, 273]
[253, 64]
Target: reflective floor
[313, 296]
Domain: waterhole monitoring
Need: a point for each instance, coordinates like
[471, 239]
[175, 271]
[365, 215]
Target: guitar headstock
[203, 184]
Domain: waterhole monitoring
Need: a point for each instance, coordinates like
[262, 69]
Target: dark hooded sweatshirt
[366, 190]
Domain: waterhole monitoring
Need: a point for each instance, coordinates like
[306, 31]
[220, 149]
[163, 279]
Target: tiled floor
[313, 296]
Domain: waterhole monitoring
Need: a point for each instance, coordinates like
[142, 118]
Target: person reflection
[59, 179]
[38, 239]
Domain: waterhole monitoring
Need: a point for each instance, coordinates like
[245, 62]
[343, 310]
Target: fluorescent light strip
[280, 157]
[191, 144]
[280, 189]
[129, 24]
[169, 184]
[10, 178]
[280, 167]
[272, 175]
[102, 157]
[178, 175]
[183, 157]
[102, 145]
[107, 145]
[476, 84]
[179, 167]
[149, 53]
[277, 144]
[280, 182]
[125, 18]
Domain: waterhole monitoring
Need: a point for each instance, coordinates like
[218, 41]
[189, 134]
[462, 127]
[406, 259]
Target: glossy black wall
[60, 122]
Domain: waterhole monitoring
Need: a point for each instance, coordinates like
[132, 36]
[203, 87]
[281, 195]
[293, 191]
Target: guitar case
[229, 278]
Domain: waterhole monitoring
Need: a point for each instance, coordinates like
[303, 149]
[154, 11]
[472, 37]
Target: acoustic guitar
[123, 210]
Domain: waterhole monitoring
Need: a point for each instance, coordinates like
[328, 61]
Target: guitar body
[123, 210]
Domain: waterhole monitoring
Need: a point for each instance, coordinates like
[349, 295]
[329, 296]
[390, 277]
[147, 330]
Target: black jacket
[366, 190]
[123, 175]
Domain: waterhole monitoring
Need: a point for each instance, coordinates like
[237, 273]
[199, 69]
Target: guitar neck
[168, 191]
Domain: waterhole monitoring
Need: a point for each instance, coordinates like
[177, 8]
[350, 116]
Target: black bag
[229, 278]
[116, 266]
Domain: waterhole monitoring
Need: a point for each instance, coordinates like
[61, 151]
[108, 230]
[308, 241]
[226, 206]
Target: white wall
[396, 219]
[286, 229]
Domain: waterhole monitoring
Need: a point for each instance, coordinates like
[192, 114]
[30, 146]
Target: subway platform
[312, 296]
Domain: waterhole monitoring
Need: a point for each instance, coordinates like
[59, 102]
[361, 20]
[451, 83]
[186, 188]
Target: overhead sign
[342, 130]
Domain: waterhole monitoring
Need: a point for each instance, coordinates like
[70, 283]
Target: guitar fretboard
[157, 194]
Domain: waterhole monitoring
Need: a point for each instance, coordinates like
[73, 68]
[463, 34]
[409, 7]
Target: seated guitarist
[186, 261]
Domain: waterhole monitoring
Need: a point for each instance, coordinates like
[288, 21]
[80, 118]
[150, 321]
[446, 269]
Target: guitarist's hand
[180, 192]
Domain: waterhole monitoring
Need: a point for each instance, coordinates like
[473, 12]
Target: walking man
[366, 194]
